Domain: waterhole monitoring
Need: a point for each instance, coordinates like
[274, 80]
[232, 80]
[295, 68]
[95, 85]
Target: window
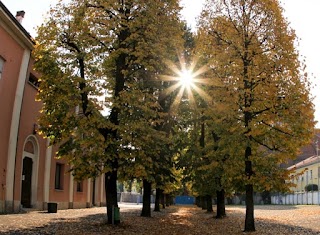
[34, 81]
[1, 66]
[310, 174]
[58, 183]
[80, 186]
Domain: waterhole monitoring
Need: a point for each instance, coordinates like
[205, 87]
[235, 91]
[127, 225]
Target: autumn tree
[212, 162]
[223, 153]
[103, 55]
[193, 160]
[250, 49]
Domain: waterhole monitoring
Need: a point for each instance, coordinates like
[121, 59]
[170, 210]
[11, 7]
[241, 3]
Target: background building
[306, 167]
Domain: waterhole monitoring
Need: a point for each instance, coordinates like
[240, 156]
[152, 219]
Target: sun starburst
[186, 78]
[187, 81]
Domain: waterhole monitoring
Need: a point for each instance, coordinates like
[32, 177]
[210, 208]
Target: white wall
[306, 198]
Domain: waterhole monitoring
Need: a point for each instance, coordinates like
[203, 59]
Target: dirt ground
[174, 220]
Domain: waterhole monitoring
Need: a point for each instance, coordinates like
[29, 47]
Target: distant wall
[305, 198]
[133, 197]
[184, 200]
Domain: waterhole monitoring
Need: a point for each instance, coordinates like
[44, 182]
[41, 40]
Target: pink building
[30, 176]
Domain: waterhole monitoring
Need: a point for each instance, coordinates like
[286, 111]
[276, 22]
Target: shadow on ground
[275, 207]
[173, 220]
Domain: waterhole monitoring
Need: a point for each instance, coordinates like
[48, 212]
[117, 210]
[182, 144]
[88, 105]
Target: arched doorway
[29, 173]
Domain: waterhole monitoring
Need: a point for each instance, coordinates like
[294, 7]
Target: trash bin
[116, 215]
[52, 207]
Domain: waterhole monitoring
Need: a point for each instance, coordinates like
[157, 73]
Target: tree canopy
[106, 55]
[110, 105]
[250, 50]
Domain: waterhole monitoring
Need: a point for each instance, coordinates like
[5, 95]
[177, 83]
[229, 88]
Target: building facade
[30, 175]
[306, 167]
[306, 173]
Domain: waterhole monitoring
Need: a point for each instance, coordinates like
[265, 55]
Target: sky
[302, 15]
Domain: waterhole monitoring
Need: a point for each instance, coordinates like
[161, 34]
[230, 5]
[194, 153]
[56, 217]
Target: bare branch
[277, 129]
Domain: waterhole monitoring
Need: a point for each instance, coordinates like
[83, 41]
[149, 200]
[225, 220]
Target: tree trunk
[209, 203]
[111, 195]
[157, 201]
[130, 186]
[172, 200]
[162, 200]
[111, 177]
[203, 203]
[146, 205]
[198, 201]
[266, 197]
[221, 206]
[248, 116]
[167, 197]
[249, 222]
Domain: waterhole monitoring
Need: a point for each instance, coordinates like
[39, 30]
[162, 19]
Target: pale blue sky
[303, 15]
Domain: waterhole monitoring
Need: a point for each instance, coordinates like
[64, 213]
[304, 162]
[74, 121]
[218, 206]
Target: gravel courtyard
[174, 220]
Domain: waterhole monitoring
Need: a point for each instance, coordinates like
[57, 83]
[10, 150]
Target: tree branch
[111, 14]
[277, 129]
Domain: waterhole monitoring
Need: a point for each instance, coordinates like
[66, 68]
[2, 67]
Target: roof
[307, 151]
[306, 162]
[15, 26]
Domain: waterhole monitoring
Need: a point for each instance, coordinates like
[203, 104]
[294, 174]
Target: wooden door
[26, 182]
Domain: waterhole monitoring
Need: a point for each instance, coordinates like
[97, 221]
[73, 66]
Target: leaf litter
[174, 220]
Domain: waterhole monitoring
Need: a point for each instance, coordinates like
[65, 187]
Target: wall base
[8, 207]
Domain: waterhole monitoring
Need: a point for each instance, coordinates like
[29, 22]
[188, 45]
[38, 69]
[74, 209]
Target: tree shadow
[60, 225]
[172, 220]
[266, 207]
[88, 224]
[279, 228]
[276, 207]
